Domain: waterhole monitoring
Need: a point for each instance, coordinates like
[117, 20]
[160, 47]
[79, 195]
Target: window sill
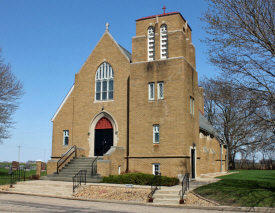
[98, 101]
[151, 100]
[65, 146]
[155, 143]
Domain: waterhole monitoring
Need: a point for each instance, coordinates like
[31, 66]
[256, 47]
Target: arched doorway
[103, 136]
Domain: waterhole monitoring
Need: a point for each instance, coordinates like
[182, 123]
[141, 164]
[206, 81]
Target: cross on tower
[107, 26]
[164, 9]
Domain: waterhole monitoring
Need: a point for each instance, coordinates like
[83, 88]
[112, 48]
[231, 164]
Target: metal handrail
[96, 159]
[184, 189]
[57, 166]
[157, 185]
[17, 174]
[79, 178]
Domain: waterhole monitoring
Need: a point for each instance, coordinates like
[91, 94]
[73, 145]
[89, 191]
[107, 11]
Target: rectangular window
[151, 92]
[65, 137]
[192, 110]
[156, 168]
[156, 134]
[160, 90]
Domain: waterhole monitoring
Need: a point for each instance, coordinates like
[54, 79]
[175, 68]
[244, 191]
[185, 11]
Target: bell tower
[163, 36]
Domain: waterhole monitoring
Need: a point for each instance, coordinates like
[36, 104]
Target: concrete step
[166, 196]
[69, 179]
[77, 168]
[166, 201]
[72, 175]
[82, 162]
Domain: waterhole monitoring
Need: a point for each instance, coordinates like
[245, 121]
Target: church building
[141, 111]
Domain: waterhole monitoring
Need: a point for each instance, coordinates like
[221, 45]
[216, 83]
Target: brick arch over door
[92, 127]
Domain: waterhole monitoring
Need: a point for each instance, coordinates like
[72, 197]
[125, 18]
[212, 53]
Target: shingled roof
[207, 127]
[129, 55]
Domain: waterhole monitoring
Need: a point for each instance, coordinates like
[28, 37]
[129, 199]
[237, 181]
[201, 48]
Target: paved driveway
[26, 203]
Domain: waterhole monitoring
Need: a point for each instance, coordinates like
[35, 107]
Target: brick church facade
[142, 111]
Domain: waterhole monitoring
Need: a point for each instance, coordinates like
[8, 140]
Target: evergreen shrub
[139, 179]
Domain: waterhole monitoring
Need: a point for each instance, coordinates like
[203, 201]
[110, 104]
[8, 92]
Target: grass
[253, 188]
[5, 177]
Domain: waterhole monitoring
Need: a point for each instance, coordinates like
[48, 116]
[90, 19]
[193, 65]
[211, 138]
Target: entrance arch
[92, 128]
[103, 136]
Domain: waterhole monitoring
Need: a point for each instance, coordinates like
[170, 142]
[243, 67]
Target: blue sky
[47, 42]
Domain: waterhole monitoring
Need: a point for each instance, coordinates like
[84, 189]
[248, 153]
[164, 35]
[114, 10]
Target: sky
[47, 42]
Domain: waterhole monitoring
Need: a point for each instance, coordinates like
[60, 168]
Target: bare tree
[225, 111]
[242, 45]
[11, 90]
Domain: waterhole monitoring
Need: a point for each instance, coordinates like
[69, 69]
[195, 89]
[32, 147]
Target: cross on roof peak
[164, 9]
[107, 26]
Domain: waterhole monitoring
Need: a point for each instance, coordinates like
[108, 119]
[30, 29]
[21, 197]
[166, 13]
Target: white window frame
[160, 96]
[154, 168]
[155, 131]
[104, 73]
[65, 136]
[151, 90]
[163, 41]
[192, 109]
[151, 43]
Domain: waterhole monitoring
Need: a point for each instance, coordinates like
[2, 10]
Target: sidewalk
[66, 188]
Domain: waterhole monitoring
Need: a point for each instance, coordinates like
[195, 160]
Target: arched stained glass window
[104, 82]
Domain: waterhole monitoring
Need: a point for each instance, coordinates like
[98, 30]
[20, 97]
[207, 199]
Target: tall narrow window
[192, 112]
[151, 91]
[156, 168]
[160, 90]
[156, 134]
[104, 88]
[151, 43]
[163, 41]
[65, 137]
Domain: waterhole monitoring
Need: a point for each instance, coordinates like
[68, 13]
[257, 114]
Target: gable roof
[127, 54]
[63, 102]
[207, 127]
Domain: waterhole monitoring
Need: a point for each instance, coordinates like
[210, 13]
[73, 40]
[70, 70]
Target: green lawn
[5, 177]
[246, 188]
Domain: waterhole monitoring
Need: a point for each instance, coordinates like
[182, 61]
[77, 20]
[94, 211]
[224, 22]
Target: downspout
[221, 156]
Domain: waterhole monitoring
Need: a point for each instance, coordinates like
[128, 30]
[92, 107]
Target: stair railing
[79, 178]
[17, 175]
[66, 155]
[94, 169]
[155, 184]
[184, 185]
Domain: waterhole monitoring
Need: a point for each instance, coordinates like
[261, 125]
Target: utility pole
[19, 154]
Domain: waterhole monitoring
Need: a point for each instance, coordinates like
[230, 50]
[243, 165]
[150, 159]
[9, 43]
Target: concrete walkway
[60, 189]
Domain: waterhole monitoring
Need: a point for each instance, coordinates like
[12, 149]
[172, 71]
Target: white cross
[107, 26]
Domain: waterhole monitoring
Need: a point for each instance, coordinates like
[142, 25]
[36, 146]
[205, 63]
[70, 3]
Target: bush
[139, 179]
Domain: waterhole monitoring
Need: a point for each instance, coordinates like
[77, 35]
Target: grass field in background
[246, 188]
[5, 177]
